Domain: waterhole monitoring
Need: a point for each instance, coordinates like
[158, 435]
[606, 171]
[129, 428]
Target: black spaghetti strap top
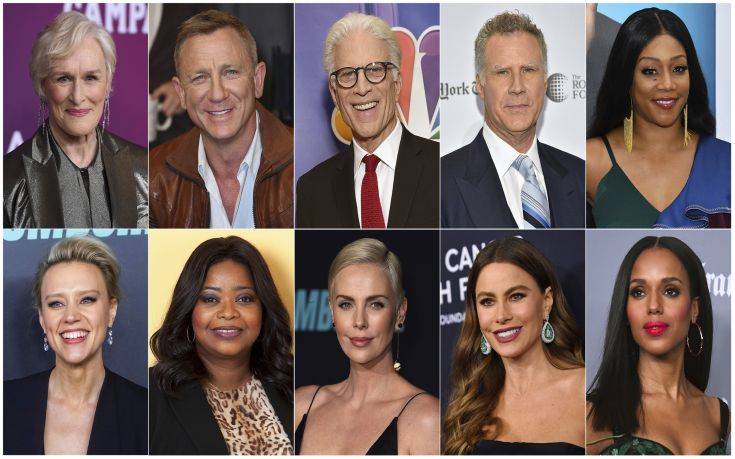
[386, 444]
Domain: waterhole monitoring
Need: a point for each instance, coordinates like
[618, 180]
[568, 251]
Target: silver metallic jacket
[31, 196]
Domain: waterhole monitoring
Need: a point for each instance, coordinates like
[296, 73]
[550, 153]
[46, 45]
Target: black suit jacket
[185, 424]
[472, 194]
[325, 196]
[119, 425]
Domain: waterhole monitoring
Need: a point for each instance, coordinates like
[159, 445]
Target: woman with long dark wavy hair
[517, 376]
[648, 395]
[224, 378]
[652, 156]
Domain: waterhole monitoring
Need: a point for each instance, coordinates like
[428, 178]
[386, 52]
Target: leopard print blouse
[247, 420]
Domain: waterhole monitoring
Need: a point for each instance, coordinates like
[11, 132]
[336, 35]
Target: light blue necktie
[535, 205]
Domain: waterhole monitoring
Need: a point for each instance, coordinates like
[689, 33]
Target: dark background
[564, 248]
[23, 353]
[319, 358]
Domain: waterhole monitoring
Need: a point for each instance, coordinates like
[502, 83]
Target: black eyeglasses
[375, 73]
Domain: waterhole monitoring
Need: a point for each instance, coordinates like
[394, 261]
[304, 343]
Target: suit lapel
[105, 427]
[558, 188]
[122, 189]
[43, 184]
[482, 191]
[343, 186]
[406, 180]
[195, 416]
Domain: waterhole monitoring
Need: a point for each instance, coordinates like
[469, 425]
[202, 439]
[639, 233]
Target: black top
[119, 425]
[385, 445]
[184, 424]
[494, 448]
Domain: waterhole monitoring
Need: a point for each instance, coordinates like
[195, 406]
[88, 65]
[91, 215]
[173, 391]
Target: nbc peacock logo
[418, 103]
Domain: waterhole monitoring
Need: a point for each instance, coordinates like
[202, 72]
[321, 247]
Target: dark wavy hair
[615, 393]
[613, 100]
[477, 379]
[271, 359]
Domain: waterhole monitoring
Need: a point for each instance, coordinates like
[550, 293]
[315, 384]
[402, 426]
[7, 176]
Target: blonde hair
[208, 22]
[506, 23]
[369, 250]
[352, 22]
[82, 249]
[59, 39]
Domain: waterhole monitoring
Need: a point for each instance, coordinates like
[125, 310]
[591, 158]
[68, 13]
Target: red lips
[655, 328]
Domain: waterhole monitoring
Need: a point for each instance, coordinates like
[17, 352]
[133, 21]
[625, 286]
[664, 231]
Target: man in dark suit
[392, 176]
[506, 178]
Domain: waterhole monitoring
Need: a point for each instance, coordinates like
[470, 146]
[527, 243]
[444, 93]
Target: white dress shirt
[387, 151]
[511, 179]
[244, 216]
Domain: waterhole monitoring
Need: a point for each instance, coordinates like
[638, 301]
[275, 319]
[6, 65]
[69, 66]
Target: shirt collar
[247, 161]
[387, 151]
[503, 154]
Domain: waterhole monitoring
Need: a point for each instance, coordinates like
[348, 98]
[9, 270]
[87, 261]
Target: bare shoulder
[302, 399]
[597, 164]
[597, 440]
[419, 426]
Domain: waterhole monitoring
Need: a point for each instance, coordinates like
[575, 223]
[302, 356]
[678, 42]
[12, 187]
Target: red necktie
[372, 214]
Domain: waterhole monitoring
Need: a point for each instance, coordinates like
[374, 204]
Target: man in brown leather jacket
[235, 168]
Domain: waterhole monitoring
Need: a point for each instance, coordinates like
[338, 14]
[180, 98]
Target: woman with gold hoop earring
[648, 396]
[652, 156]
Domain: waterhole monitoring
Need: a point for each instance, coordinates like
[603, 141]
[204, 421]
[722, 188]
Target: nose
[77, 95]
[363, 86]
[503, 313]
[359, 318]
[517, 85]
[666, 82]
[655, 304]
[228, 310]
[72, 313]
[217, 90]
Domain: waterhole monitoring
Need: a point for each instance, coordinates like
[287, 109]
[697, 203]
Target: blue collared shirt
[244, 216]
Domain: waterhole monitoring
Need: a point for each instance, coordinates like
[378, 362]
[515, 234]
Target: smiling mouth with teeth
[76, 335]
[365, 106]
[219, 112]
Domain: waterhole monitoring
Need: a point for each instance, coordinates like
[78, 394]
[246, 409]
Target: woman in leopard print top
[223, 381]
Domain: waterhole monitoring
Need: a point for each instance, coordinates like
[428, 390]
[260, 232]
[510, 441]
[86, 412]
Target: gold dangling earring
[687, 135]
[628, 129]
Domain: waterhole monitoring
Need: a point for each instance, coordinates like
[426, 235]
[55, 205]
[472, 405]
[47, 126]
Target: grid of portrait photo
[404, 228]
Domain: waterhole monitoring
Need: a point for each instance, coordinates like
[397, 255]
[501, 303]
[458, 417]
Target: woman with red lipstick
[79, 406]
[518, 370]
[74, 173]
[375, 411]
[648, 396]
[223, 383]
[652, 156]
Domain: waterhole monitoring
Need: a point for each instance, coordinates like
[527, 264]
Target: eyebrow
[371, 297]
[57, 294]
[678, 56]
[219, 289]
[665, 280]
[507, 291]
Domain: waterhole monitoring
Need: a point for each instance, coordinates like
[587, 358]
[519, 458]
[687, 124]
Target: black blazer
[325, 196]
[31, 183]
[119, 425]
[186, 425]
[472, 195]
